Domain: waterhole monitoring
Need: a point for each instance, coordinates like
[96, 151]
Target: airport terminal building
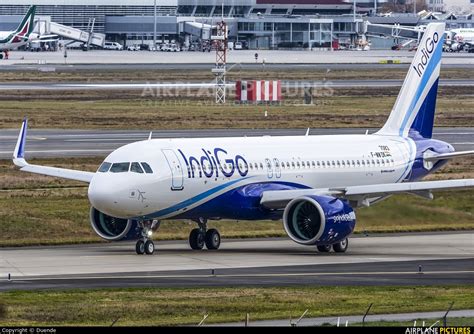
[256, 23]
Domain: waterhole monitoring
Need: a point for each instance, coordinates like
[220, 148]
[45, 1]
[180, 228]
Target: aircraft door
[276, 163]
[177, 178]
[268, 162]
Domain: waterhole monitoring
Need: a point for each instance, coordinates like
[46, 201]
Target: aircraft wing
[19, 161]
[445, 156]
[277, 199]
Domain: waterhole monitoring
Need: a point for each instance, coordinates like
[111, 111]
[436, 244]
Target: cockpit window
[147, 168]
[104, 168]
[120, 167]
[136, 168]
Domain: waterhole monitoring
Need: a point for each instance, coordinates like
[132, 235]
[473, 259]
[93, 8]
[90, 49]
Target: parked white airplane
[460, 39]
[313, 182]
[10, 40]
[455, 39]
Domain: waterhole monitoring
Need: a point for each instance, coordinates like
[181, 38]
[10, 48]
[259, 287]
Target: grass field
[41, 210]
[355, 107]
[194, 109]
[188, 306]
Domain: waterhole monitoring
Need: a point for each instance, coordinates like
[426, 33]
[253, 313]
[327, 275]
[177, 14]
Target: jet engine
[318, 220]
[111, 228]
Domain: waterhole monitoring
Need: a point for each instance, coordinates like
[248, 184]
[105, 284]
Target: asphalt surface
[198, 85]
[207, 66]
[83, 143]
[357, 319]
[403, 259]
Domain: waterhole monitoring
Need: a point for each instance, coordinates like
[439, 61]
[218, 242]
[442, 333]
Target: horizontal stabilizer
[445, 156]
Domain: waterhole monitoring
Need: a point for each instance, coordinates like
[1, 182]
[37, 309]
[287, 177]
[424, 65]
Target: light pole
[154, 24]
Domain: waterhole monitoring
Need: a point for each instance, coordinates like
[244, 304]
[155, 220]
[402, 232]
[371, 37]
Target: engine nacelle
[318, 220]
[111, 228]
[456, 46]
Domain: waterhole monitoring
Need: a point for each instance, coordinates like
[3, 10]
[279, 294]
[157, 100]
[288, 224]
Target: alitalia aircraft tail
[27, 24]
[413, 112]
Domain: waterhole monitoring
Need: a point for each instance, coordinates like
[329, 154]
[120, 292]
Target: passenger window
[313, 164]
[147, 168]
[104, 168]
[293, 165]
[136, 168]
[120, 167]
[323, 164]
[261, 165]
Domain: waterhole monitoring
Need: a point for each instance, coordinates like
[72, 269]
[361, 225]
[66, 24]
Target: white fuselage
[10, 45]
[184, 174]
[462, 35]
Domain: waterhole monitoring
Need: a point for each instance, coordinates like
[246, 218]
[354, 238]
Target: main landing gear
[145, 245]
[340, 247]
[202, 236]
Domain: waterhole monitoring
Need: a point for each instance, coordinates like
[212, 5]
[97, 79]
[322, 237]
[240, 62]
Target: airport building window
[147, 168]
[120, 167]
[136, 168]
[104, 168]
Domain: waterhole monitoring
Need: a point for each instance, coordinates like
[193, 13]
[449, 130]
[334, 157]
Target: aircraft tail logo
[414, 109]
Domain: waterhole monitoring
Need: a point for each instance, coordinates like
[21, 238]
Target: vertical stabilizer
[415, 106]
[27, 24]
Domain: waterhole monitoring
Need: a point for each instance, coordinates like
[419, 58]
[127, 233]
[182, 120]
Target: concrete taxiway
[423, 259]
[54, 86]
[233, 56]
[82, 143]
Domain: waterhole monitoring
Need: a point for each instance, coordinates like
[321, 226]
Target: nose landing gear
[145, 245]
[202, 236]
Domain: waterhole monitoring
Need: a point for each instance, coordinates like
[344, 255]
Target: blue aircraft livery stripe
[192, 200]
[206, 194]
[21, 148]
[421, 87]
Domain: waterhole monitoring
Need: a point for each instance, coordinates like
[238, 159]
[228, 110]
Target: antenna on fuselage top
[307, 132]
[151, 134]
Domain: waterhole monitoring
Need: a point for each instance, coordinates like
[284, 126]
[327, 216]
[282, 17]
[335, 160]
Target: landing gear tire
[324, 248]
[341, 247]
[140, 247]
[149, 247]
[213, 239]
[197, 239]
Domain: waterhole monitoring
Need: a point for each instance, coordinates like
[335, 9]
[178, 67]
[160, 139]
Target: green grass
[164, 306]
[61, 216]
[355, 107]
